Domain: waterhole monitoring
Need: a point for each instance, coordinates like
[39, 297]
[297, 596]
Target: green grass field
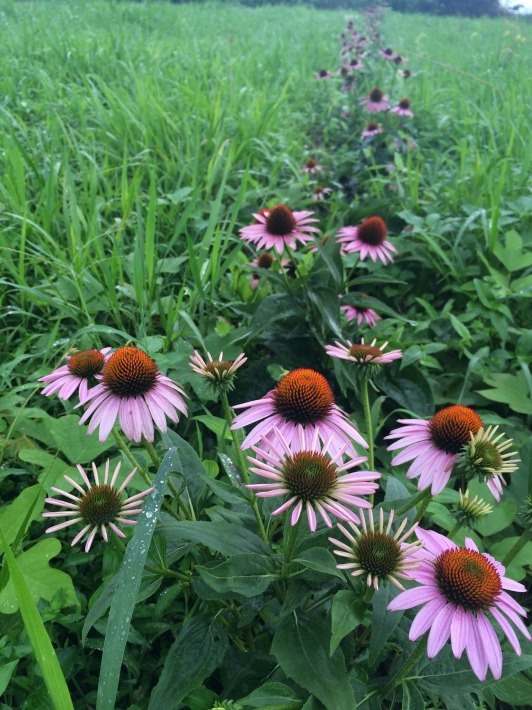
[136, 139]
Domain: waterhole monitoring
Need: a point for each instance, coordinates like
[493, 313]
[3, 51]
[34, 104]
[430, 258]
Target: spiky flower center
[324, 73]
[378, 553]
[265, 260]
[100, 505]
[467, 579]
[388, 52]
[372, 126]
[303, 397]
[404, 104]
[280, 221]
[450, 428]
[376, 95]
[218, 370]
[361, 352]
[488, 456]
[129, 372]
[372, 231]
[309, 475]
[406, 73]
[86, 363]
[311, 164]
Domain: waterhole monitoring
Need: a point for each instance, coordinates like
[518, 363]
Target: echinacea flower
[97, 506]
[355, 64]
[402, 108]
[460, 589]
[387, 54]
[320, 193]
[398, 59]
[376, 101]
[360, 314]
[322, 74]
[434, 445]
[468, 511]
[363, 353]
[302, 399]
[80, 369]
[372, 129]
[377, 553]
[311, 167]
[486, 457]
[220, 372]
[279, 227]
[133, 389]
[310, 474]
[369, 238]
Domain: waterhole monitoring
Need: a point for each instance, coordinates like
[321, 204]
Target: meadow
[136, 141]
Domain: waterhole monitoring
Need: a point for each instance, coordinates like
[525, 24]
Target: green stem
[290, 536]
[456, 528]
[165, 572]
[243, 467]
[364, 394]
[516, 549]
[410, 662]
[412, 502]
[424, 505]
[150, 448]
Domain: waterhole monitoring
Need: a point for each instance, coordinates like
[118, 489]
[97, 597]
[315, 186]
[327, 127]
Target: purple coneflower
[371, 129]
[76, 374]
[320, 193]
[376, 553]
[362, 353]
[355, 64]
[434, 445]
[301, 400]
[402, 108]
[97, 506]
[279, 227]
[220, 373]
[387, 54]
[133, 389]
[361, 315]
[459, 588]
[311, 167]
[322, 74]
[376, 101]
[369, 238]
[309, 473]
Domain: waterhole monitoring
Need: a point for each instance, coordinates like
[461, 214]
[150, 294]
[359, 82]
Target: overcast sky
[526, 4]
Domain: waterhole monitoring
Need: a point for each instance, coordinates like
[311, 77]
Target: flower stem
[410, 662]
[364, 395]
[150, 448]
[413, 502]
[516, 549]
[425, 502]
[456, 528]
[290, 536]
[243, 467]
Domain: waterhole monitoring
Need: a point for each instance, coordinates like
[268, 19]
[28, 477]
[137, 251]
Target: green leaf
[301, 647]
[512, 390]
[13, 514]
[412, 698]
[346, 614]
[517, 568]
[410, 389]
[512, 255]
[502, 516]
[195, 654]
[72, 440]
[38, 637]
[460, 328]
[384, 622]
[321, 560]
[226, 538]
[130, 574]
[452, 677]
[6, 671]
[248, 574]
[54, 468]
[516, 690]
[43, 581]
[216, 424]
[276, 694]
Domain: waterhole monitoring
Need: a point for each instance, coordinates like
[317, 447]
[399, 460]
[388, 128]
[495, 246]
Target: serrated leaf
[43, 581]
[195, 654]
[301, 647]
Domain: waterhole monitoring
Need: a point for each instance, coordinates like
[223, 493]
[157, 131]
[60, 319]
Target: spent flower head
[97, 506]
[220, 373]
[376, 553]
[485, 457]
